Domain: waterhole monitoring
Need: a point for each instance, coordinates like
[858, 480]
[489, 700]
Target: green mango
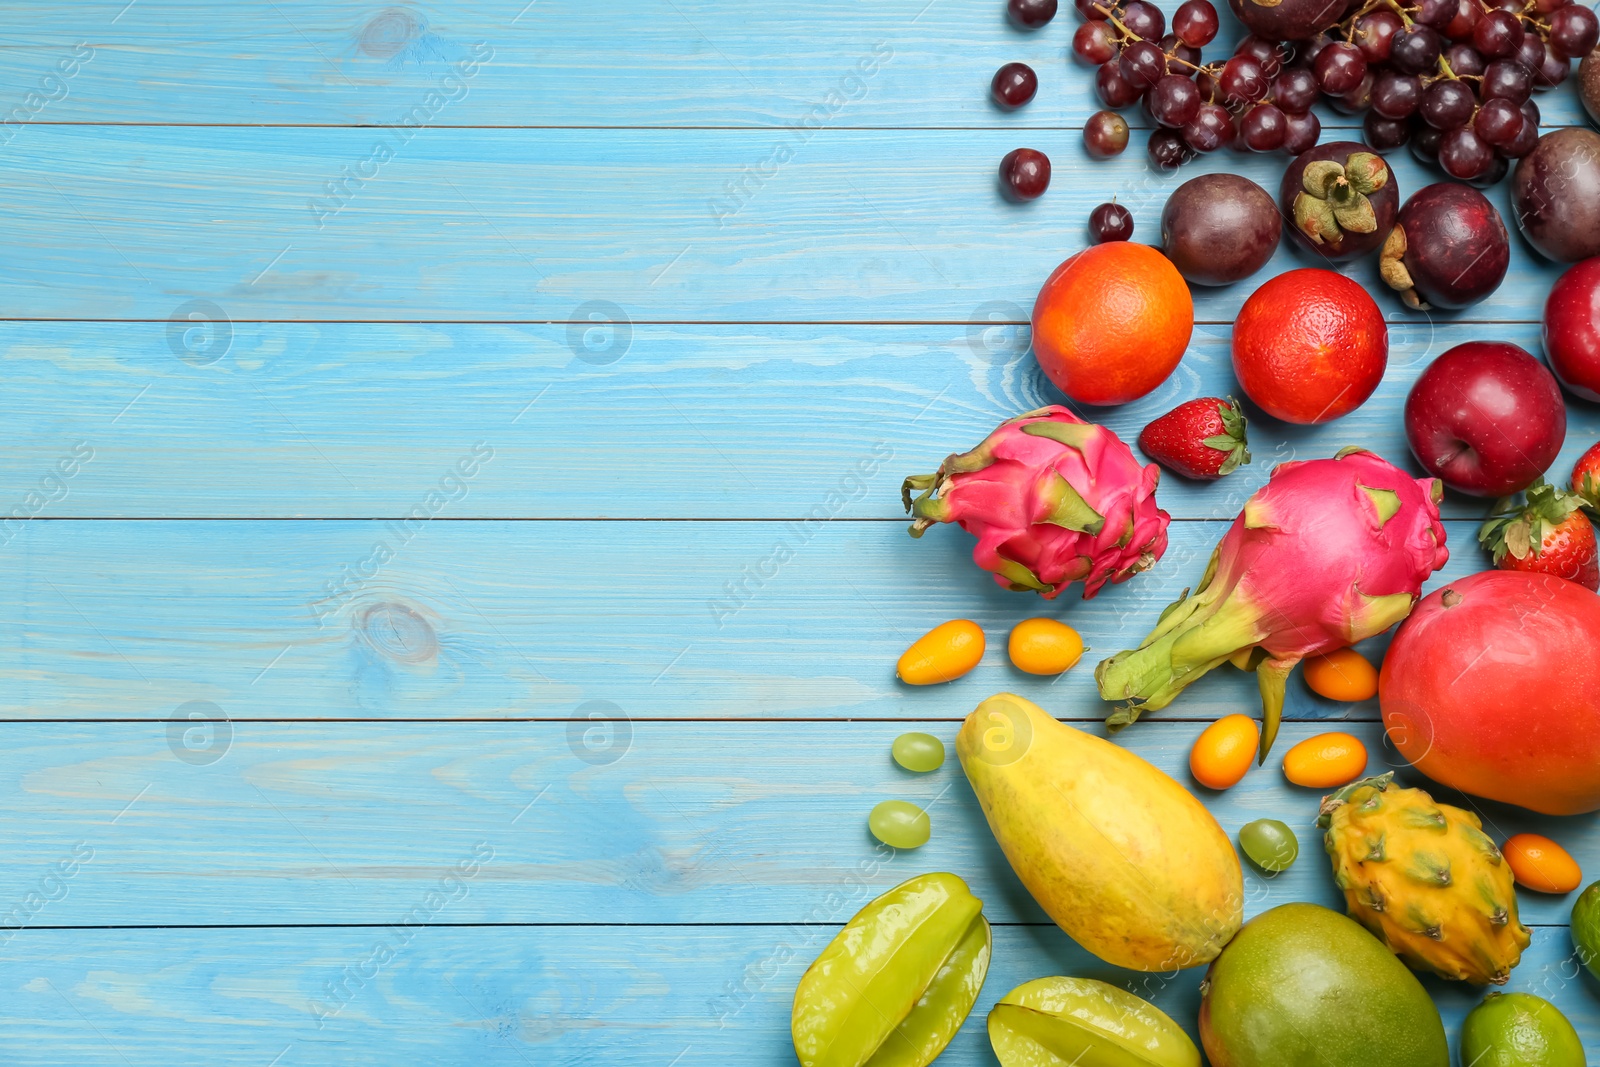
[1303, 986]
[897, 982]
[1079, 1022]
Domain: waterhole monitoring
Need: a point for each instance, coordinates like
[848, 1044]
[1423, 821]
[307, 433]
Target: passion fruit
[1343, 199]
[1448, 249]
[1288, 20]
[1589, 84]
[1302, 984]
[1219, 228]
[1555, 191]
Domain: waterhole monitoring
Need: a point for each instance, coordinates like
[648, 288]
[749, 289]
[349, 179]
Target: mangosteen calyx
[1334, 197]
[1392, 268]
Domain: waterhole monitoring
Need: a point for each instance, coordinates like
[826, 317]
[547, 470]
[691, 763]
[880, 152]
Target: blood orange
[1309, 346]
[1112, 322]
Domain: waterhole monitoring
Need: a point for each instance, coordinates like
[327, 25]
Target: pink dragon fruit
[1329, 552]
[1052, 500]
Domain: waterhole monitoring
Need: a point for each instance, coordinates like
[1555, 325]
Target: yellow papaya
[1121, 856]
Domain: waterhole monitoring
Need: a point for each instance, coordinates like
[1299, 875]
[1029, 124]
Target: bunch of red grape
[1452, 77]
[1455, 78]
[1256, 100]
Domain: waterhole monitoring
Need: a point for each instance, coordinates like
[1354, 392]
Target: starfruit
[1079, 1022]
[898, 981]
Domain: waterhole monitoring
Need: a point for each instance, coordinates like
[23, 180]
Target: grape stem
[1347, 27]
[1129, 35]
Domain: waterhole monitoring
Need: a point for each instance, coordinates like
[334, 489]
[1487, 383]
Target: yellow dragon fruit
[1425, 879]
[1052, 500]
[1329, 552]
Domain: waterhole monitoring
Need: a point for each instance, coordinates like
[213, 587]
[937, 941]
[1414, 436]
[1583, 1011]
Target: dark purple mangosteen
[1449, 248]
[1342, 199]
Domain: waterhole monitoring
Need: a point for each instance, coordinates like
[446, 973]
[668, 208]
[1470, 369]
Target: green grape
[1270, 845]
[899, 824]
[919, 752]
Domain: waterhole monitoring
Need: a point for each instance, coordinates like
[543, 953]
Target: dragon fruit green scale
[1328, 553]
[1052, 500]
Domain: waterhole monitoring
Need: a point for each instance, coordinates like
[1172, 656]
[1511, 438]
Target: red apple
[1487, 418]
[1572, 329]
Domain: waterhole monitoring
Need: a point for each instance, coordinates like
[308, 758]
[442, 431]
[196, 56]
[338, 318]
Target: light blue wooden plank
[564, 997]
[296, 620]
[347, 420]
[635, 64]
[539, 225]
[642, 822]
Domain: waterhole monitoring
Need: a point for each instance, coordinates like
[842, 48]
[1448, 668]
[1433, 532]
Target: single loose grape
[1105, 134]
[1025, 173]
[919, 752]
[1014, 85]
[1032, 13]
[1109, 222]
[1270, 844]
[899, 824]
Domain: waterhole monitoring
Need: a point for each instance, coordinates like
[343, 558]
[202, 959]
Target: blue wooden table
[455, 569]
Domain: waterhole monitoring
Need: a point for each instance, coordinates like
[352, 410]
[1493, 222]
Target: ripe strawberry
[1549, 534]
[1586, 476]
[1202, 439]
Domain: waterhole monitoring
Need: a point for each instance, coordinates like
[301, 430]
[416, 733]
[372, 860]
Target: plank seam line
[852, 720]
[533, 518]
[538, 926]
[885, 323]
[112, 125]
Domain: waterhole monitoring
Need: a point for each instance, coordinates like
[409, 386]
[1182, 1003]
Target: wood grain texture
[398, 266]
[496, 620]
[363, 420]
[589, 820]
[711, 63]
[511, 997]
[558, 225]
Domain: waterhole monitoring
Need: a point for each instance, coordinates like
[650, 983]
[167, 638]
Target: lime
[1586, 928]
[1519, 1030]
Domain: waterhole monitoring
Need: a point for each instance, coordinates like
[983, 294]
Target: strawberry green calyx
[1589, 490]
[1520, 531]
[1232, 439]
[1328, 553]
[1052, 500]
[1586, 478]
